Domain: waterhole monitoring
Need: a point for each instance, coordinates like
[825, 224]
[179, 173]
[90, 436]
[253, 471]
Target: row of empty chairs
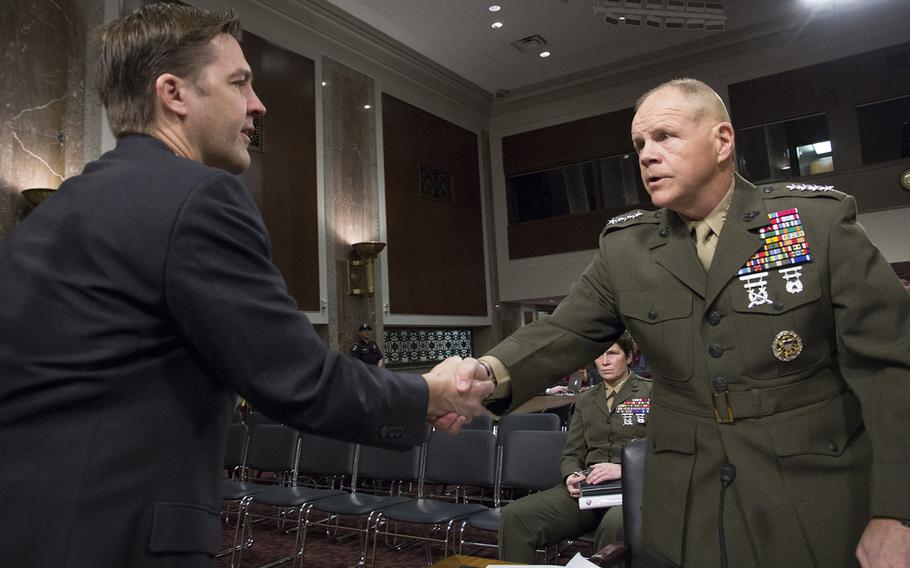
[473, 458]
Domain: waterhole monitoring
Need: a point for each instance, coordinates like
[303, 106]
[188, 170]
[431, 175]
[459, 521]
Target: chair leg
[244, 527]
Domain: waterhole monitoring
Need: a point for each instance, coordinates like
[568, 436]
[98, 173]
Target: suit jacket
[598, 434]
[136, 302]
[816, 376]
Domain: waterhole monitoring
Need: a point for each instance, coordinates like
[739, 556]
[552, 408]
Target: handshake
[457, 389]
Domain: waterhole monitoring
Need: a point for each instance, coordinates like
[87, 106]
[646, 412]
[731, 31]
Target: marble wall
[351, 195]
[49, 115]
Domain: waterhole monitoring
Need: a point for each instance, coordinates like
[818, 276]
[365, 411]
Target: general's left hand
[885, 544]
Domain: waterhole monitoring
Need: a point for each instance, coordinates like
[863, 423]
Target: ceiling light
[494, 8]
[324, 83]
[496, 25]
[368, 107]
[545, 54]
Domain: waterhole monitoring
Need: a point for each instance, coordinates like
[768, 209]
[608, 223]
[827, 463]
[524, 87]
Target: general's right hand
[457, 389]
[573, 484]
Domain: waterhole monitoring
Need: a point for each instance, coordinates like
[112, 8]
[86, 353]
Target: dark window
[884, 130]
[788, 149]
[620, 182]
[551, 193]
[612, 182]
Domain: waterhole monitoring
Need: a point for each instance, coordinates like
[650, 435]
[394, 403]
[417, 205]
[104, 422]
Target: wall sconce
[360, 268]
[36, 195]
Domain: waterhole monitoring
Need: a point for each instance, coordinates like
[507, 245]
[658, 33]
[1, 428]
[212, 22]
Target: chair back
[383, 464]
[482, 422]
[273, 447]
[633, 475]
[467, 458]
[235, 452]
[321, 456]
[530, 459]
[256, 418]
[532, 421]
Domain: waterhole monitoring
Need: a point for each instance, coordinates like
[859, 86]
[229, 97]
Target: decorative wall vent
[435, 184]
[256, 138]
[413, 346]
[531, 44]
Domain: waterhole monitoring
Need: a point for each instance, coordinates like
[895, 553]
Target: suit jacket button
[652, 315]
[713, 317]
[715, 350]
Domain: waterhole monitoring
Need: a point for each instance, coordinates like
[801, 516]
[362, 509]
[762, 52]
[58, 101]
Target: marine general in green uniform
[778, 342]
[606, 417]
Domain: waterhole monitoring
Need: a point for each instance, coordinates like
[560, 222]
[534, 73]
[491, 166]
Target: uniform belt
[727, 406]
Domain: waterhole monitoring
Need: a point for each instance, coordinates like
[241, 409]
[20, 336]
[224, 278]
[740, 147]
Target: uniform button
[715, 350]
[665, 232]
[778, 305]
[719, 384]
[767, 189]
[658, 214]
[713, 317]
[652, 315]
[832, 447]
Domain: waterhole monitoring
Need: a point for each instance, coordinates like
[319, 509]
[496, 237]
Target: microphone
[727, 476]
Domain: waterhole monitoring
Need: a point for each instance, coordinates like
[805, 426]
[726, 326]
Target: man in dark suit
[141, 297]
[778, 339]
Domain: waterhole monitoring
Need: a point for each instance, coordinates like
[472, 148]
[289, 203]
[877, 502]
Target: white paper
[578, 561]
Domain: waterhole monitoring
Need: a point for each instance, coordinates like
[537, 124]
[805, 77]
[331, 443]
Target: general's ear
[171, 92]
[723, 140]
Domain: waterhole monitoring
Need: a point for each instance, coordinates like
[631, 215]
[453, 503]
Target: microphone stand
[727, 475]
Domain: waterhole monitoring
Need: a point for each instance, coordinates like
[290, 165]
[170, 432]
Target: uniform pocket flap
[825, 430]
[655, 306]
[680, 439]
[185, 527]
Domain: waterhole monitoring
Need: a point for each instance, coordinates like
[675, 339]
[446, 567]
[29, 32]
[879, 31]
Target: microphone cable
[727, 475]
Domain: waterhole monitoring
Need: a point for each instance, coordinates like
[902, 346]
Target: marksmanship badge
[757, 287]
[787, 345]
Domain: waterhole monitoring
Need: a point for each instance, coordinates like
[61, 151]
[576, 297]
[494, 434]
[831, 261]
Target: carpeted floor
[324, 551]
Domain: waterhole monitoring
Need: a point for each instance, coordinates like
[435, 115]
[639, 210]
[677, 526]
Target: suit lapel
[674, 250]
[738, 241]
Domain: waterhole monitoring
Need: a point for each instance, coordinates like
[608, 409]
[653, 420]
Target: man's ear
[171, 92]
[723, 140]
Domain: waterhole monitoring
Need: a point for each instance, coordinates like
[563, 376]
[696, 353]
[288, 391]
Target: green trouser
[550, 517]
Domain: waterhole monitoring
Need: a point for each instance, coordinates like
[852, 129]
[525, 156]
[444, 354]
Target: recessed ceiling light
[545, 54]
[367, 107]
[324, 83]
[496, 25]
[494, 8]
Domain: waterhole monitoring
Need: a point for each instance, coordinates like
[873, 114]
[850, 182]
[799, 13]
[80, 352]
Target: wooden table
[544, 402]
[457, 561]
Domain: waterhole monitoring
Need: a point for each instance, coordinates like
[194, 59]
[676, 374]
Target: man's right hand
[573, 484]
[457, 388]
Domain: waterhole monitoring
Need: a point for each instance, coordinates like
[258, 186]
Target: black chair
[531, 421]
[392, 466]
[530, 461]
[631, 552]
[273, 449]
[464, 459]
[482, 422]
[318, 457]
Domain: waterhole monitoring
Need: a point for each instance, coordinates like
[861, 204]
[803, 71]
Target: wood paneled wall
[282, 177]
[435, 252]
[576, 141]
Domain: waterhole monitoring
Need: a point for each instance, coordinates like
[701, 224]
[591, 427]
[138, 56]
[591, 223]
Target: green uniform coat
[821, 442]
[596, 435]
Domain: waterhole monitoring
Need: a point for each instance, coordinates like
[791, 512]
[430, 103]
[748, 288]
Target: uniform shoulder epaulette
[631, 218]
[802, 190]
